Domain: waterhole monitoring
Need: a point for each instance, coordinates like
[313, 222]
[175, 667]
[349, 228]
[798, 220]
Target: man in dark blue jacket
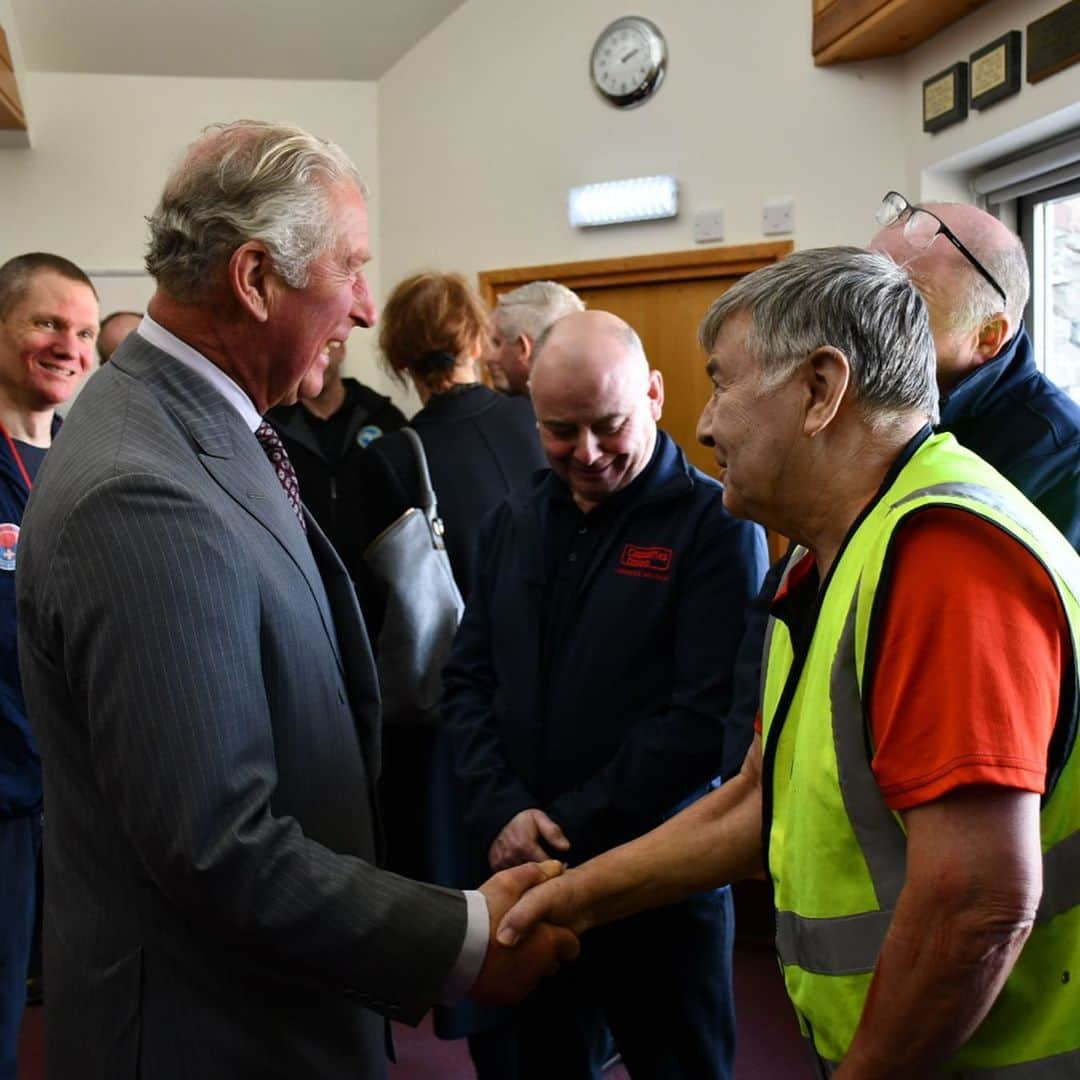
[973, 274]
[587, 692]
[48, 323]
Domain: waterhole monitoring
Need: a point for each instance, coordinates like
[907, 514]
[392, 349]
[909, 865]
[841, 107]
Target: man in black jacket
[324, 437]
[587, 690]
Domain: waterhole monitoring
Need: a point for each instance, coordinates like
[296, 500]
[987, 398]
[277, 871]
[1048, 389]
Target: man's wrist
[470, 959]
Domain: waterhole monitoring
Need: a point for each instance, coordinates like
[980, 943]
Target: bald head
[969, 321]
[595, 342]
[597, 403]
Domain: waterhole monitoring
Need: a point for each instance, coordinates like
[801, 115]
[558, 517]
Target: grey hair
[532, 308]
[857, 301]
[248, 180]
[978, 301]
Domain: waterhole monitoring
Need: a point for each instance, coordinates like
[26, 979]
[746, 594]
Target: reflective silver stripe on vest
[848, 945]
[843, 946]
[882, 840]
[1034, 523]
[1061, 879]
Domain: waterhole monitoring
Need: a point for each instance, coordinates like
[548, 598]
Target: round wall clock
[628, 61]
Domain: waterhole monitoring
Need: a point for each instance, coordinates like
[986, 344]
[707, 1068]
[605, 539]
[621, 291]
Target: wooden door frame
[702, 263]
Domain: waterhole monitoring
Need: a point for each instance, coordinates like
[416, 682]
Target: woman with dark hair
[479, 446]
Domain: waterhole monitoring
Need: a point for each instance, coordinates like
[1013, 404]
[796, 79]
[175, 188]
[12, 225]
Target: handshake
[526, 941]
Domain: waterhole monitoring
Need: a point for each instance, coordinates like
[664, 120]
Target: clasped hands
[527, 946]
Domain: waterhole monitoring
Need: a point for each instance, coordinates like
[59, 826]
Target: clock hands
[628, 55]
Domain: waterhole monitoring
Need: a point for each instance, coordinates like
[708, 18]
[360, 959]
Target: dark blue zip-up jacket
[631, 722]
[1014, 417]
[20, 766]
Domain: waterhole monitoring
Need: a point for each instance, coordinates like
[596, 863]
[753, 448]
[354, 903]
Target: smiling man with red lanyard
[48, 325]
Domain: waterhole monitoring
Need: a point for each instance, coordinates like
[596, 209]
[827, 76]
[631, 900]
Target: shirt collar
[179, 350]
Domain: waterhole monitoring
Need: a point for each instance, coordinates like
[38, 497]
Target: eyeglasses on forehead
[922, 227]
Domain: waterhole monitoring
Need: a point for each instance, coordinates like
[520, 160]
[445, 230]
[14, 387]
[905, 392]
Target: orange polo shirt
[972, 645]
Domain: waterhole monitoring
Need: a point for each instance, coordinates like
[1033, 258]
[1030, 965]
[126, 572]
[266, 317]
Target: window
[1049, 221]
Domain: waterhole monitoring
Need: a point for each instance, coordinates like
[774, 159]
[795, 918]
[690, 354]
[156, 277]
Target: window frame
[1027, 206]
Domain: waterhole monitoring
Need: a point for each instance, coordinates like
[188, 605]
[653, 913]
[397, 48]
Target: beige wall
[472, 140]
[487, 123]
[102, 145]
[938, 165]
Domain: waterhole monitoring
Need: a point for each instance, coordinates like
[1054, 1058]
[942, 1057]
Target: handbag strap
[427, 493]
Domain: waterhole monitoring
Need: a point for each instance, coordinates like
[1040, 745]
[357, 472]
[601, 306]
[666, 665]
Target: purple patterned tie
[286, 474]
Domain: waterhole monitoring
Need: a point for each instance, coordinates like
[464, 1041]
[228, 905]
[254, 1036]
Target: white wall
[103, 144]
[471, 141]
[938, 164]
[486, 124]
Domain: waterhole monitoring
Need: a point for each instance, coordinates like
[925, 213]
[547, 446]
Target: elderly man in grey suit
[200, 681]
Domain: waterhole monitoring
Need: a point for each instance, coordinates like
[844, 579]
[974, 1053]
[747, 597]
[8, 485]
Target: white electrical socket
[708, 225]
[778, 216]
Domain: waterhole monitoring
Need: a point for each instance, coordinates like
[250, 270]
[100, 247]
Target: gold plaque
[939, 97]
[988, 71]
[995, 70]
[945, 97]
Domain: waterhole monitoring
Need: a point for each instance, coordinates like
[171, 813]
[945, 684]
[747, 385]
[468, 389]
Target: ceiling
[268, 39]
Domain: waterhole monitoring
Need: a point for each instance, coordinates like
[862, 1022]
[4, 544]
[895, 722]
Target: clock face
[628, 61]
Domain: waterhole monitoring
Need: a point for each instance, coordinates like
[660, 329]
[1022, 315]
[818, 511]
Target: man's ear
[993, 335]
[525, 344]
[249, 279]
[827, 374]
[656, 393]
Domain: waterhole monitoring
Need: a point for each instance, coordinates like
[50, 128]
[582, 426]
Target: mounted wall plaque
[994, 70]
[944, 97]
[1053, 42]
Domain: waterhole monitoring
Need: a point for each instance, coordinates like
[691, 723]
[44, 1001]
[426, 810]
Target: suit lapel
[352, 637]
[232, 457]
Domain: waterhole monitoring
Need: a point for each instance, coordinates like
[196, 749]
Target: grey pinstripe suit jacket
[201, 686]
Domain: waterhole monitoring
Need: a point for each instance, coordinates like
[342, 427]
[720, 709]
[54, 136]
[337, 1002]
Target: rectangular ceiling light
[645, 198]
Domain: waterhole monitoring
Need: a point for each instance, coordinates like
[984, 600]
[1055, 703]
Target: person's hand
[557, 901]
[507, 975]
[519, 841]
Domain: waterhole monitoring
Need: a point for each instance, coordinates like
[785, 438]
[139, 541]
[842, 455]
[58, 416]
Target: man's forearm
[974, 875]
[714, 841]
[937, 976]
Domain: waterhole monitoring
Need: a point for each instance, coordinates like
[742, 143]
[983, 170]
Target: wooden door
[666, 316]
[663, 297]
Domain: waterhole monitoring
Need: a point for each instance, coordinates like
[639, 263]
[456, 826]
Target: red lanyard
[18, 458]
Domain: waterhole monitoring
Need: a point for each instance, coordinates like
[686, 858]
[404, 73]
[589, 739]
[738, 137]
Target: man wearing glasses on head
[973, 274]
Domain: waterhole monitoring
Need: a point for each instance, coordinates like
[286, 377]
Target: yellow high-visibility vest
[837, 854]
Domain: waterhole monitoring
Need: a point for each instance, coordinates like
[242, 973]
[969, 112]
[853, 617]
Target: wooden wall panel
[11, 111]
[865, 29]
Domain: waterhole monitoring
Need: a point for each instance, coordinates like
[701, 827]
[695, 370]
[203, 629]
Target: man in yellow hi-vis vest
[914, 789]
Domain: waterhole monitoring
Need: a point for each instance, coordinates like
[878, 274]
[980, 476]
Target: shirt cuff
[466, 970]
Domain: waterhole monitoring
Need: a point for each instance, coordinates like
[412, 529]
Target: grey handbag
[423, 605]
